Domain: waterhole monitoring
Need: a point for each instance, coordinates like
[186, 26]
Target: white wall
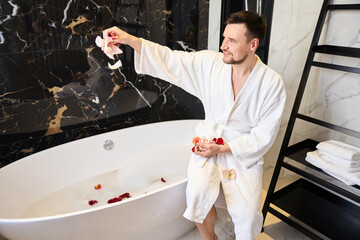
[214, 25]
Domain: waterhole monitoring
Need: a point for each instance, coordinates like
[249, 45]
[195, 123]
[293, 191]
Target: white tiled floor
[273, 227]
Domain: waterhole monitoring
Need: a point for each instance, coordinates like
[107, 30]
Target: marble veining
[55, 84]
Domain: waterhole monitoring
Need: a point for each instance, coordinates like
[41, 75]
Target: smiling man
[243, 101]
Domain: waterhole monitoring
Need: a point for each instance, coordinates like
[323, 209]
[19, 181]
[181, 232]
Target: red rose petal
[220, 141]
[193, 149]
[118, 199]
[163, 180]
[125, 195]
[92, 202]
[113, 35]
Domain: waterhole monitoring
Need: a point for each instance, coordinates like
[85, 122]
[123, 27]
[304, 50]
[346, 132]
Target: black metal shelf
[300, 166]
[337, 50]
[337, 67]
[295, 224]
[329, 125]
[319, 209]
[344, 6]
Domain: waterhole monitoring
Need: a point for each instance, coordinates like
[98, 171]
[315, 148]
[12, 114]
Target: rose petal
[163, 180]
[116, 65]
[114, 50]
[92, 202]
[196, 140]
[113, 35]
[109, 55]
[127, 195]
[99, 41]
[220, 141]
[107, 46]
[108, 49]
[118, 199]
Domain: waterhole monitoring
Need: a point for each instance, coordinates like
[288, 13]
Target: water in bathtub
[141, 175]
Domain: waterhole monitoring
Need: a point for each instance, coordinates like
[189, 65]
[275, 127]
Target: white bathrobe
[248, 124]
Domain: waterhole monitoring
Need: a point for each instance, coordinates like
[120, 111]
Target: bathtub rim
[96, 135]
[105, 206]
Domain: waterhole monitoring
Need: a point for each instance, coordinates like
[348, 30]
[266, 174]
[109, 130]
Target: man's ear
[254, 44]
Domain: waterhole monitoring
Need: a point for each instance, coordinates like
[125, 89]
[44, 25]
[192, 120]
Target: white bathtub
[45, 195]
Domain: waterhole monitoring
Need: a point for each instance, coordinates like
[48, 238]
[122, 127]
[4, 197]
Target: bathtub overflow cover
[108, 145]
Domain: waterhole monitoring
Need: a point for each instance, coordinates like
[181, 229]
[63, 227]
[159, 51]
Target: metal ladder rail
[295, 109]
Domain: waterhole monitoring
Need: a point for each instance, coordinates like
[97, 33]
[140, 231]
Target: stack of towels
[338, 159]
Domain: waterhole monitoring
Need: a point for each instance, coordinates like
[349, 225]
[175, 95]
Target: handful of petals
[196, 140]
[109, 49]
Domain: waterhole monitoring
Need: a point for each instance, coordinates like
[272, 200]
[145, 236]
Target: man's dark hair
[255, 24]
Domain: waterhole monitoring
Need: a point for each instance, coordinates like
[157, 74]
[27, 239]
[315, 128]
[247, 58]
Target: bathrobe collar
[245, 90]
[251, 76]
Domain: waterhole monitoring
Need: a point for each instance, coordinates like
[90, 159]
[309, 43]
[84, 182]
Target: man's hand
[122, 37]
[210, 149]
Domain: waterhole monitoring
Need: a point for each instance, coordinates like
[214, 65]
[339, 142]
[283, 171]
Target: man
[243, 101]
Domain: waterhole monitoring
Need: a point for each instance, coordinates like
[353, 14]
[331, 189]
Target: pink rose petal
[116, 65]
[109, 50]
[99, 41]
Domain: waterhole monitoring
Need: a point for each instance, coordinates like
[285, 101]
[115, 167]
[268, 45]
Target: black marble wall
[55, 84]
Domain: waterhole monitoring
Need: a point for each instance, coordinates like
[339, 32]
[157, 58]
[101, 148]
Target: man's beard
[232, 61]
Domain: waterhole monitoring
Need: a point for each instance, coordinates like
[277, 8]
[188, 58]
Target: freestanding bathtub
[45, 196]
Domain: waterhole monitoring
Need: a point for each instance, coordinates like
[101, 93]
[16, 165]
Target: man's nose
[223, 45]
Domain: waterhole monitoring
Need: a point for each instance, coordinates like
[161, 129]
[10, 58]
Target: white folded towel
[342, 167]
[315, 159]
[340, 149]
[349, 166]
[344, 180]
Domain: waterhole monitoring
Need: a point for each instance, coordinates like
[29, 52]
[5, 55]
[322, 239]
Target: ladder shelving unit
[317, 204]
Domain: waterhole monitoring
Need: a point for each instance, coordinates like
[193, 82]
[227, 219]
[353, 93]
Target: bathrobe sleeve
[250, 147]
[187, 70]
